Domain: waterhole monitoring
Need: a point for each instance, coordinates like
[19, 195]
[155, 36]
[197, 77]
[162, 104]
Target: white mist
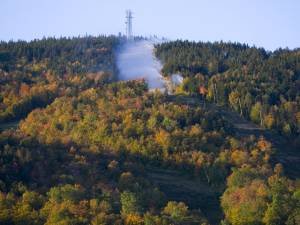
[136, 60]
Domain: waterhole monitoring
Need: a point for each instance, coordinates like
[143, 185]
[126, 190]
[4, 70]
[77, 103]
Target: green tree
[281, 205]
[177, 211]
[256, 113]
[130, 203]
[235, 101]
[68, 192]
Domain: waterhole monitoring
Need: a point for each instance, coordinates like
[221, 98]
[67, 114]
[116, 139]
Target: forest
[89, 149]
[262, 86]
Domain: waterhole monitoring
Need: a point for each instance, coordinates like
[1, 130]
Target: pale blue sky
[264, 23]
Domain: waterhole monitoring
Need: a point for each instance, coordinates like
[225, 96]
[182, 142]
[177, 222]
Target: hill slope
[93, 151]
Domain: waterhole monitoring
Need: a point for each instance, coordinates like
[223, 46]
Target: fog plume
[135, 60]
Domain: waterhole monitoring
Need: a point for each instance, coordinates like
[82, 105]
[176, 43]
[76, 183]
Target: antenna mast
[129, 25]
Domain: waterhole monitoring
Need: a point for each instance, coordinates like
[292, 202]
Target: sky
[264, 23]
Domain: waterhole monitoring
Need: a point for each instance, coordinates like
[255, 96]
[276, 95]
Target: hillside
[93, 150]
[261, 86]
[33, 74]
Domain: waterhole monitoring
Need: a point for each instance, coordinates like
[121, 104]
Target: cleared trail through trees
[9, 125]
[285, 154]
[196, 193]
[199, 194]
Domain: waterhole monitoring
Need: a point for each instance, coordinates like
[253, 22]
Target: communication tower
[129, 25]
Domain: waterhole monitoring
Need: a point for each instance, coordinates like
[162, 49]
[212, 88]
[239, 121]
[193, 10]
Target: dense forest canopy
[32, 74]
[91, 150]
[262, 86]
